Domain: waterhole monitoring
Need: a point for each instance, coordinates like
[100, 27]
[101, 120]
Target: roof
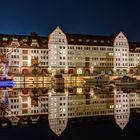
[97, 40]
[73, 39]
[82, 39]
[42, 41]
[133, 46]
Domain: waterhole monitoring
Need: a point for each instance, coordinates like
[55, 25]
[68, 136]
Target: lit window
[79, 71]
[4, 38]
[79, 90]
[34, 40]
[15, 39]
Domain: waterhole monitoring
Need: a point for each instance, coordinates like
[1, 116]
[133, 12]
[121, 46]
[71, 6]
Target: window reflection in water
[59, 106]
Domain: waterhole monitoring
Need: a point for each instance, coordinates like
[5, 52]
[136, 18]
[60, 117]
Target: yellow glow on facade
[79, 71]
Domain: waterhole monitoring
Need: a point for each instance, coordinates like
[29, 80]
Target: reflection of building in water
[58, 106]
[121, 108]
[22, 105]
[84, 105]
[58, 114]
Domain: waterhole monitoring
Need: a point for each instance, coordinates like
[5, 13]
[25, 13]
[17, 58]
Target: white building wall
[121, 108]
[121, 52]
[57, 45]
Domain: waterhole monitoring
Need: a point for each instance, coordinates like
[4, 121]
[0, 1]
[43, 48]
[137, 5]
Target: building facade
[70, 53]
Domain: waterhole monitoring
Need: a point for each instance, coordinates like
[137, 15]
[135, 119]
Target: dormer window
[34, 40]
[34, 43]
[15, 39]
[95, 41]
[15, 42]
[102, 41]
[5, 39]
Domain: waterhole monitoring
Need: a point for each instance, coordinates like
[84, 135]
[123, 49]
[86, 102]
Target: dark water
[96, 132]
[92, 131]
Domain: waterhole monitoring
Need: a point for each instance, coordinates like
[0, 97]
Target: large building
[70, 53]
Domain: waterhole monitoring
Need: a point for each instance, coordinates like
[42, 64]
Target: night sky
[100, 17]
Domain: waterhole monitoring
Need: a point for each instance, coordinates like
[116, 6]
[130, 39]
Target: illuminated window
[79, 90]
[34, 43]
[34, 40]
[79, 71]
[4, 38]
[15, 39]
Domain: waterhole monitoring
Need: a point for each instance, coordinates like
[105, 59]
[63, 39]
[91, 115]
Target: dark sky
[103, 17]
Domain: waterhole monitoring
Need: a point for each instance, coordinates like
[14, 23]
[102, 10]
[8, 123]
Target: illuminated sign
[6, 83]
